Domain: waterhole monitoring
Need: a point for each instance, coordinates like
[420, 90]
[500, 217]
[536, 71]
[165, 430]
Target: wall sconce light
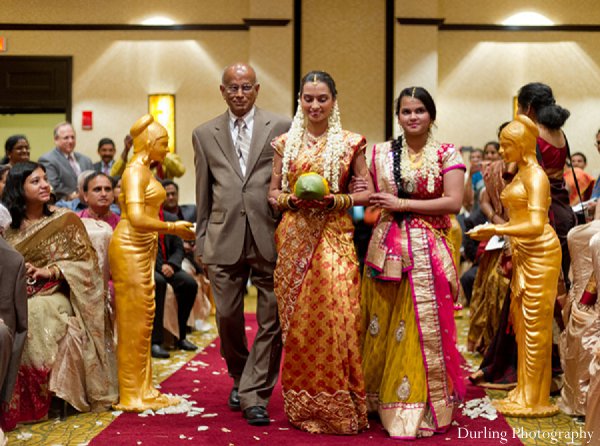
[162, 107]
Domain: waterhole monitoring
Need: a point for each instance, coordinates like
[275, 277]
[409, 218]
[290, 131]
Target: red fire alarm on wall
[87, 120]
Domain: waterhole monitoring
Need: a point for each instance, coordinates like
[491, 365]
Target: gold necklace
[416, 159]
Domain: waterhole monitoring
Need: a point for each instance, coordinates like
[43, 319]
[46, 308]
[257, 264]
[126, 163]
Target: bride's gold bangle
[284, 202]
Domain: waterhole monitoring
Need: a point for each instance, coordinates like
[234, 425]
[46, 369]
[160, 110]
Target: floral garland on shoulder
[334, 147]
[429, 168]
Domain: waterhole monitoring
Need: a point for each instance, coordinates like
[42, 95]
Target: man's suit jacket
[13, 312]
[187, 212]
[98, 167]
[60, 173]
[173, 246]
[225, 198]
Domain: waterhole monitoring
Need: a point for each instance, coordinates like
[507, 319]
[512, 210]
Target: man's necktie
[74, 165]
[242, 143]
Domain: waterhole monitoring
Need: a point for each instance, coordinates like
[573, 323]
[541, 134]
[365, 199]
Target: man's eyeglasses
[233, 88]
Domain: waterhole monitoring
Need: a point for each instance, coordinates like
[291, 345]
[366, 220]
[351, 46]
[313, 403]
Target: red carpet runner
[209, 386]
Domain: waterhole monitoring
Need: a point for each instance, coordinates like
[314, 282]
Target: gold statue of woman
[536, 258]
[132, 255]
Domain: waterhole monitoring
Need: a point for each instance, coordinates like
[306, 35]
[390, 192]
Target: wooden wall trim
[248, 23]
[411, 21]
[297, 63]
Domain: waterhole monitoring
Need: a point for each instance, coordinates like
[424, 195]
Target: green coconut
[311, 186]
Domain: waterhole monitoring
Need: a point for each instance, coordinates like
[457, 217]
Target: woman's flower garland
[334, 147]
[429, 168]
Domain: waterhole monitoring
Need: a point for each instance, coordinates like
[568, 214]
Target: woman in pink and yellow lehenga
[410, 361]
[317, 280]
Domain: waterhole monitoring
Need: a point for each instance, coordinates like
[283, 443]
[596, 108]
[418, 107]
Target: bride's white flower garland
[429, 165]
[334, 147]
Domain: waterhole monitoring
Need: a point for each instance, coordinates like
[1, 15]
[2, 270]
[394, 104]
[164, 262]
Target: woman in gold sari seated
[69, 351]
[536, 258]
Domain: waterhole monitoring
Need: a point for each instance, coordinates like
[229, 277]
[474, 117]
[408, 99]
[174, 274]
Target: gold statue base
[512, 409]
[153, 401]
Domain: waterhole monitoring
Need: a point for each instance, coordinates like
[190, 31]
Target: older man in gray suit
[235, 229]
[63, 165]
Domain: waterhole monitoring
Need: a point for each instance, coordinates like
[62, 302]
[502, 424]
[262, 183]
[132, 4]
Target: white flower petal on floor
[480, 408]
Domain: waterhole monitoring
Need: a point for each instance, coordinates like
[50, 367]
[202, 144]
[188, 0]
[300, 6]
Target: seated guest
[168, 271]
[100, 223]
[202, 305]
[185, 211]
[3, 175]
[77, 203]
[579, 160]
[98, 193]
[64, 164]
[69, 351]
[579, 313]
[17, 150]
[106, 150]
[585, 182]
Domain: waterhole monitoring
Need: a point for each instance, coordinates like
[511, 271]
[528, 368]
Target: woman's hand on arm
[361, 185]
[387, 201]
[275, 185]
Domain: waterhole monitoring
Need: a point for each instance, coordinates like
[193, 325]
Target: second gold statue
[536, 267]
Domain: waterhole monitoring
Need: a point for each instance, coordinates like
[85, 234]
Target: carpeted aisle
[205, 381]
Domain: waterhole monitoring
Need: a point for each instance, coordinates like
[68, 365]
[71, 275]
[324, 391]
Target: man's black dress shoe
[257, 416]
[234, 400]
[158, 352]
[184, 344]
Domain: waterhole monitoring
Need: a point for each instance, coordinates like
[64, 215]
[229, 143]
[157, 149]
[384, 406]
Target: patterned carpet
[79, 429]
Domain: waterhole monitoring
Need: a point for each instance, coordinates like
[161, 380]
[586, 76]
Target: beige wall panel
[347, 39]
[271, 9]
[423, 8]
[114, 76]
[131, 12]
[416, 60]
[494, 11]
[480, 73]
[271, 55]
